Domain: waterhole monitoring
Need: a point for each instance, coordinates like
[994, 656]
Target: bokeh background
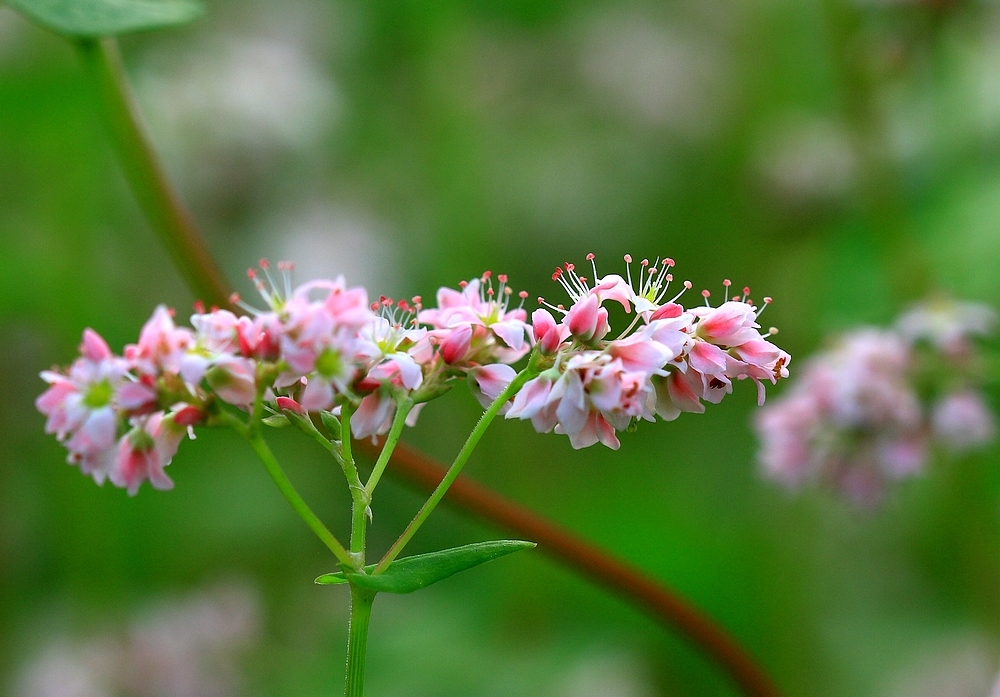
[843, 157]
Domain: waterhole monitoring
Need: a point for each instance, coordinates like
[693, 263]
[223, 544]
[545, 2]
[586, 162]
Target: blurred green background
[843, 157]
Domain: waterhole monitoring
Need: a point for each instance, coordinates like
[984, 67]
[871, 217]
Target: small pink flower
[479, 303]
[679, 392]
[80, 405]
[587, 320]
[731, 324]
[217, 331]
[487, 382]
[592, 394]
[145, 451]
[548, 335]
[457, 343]
[375, 414]
[233, 379]
[162, 345]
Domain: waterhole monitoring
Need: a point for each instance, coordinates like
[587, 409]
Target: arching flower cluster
[319, 346]
[668, 359]
[323, 347]
[872, 408]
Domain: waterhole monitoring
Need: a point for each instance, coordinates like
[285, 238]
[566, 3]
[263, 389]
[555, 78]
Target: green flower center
[329, 364]
[99, 395]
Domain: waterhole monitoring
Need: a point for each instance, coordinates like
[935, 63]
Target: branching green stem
[456, 467]
[403, 408]
[287, 489]
[285, 485]
[359, 495]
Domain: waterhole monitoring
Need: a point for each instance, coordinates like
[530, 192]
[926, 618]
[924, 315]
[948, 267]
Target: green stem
[357, 640]
[145, 174]
[287, 489]
[359, 495]
[403, 408]
[456, 467]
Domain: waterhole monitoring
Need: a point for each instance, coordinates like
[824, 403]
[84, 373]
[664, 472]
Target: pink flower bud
[456, 345]
[668, 311]
[587, 320]
[93, 347]
[289, 404]
[547, 332]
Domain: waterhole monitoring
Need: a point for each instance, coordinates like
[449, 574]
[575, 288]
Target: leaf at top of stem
[98, 18]
[413, 573]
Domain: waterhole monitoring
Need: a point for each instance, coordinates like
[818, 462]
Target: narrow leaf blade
[332, 579]
[96, 18]
[413, 573]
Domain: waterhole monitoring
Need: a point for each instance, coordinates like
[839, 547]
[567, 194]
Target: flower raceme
[667, 361]
[870, 410]
[323, 346]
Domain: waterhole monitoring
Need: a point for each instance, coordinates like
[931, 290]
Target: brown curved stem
[160, 202]
[584, 557]
[166, 213]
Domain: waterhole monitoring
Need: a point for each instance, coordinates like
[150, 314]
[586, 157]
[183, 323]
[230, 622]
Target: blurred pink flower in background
[873, 407]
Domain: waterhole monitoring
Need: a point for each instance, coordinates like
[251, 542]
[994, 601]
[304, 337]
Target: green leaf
[96, 18]
[413, 573]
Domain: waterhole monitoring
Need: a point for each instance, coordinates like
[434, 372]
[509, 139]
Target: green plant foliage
[413, 573]
[97, 18]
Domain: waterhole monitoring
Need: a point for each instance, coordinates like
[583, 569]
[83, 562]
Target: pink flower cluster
[322, 346]
[870, 410]
[668, 359]
[123, 417]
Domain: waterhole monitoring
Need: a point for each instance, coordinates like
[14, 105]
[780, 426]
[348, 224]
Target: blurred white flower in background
[247, 92]
[180, 648]
[805, 160]
[239, 118]
[962, 667]
[607, 674]
[658, 73]
[324, 240]
[12, 27]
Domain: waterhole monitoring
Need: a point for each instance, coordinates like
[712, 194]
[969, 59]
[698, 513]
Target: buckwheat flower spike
[667, 360]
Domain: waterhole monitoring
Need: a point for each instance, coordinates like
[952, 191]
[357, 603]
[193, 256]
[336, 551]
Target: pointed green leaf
[413, 573]
[96, 18]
